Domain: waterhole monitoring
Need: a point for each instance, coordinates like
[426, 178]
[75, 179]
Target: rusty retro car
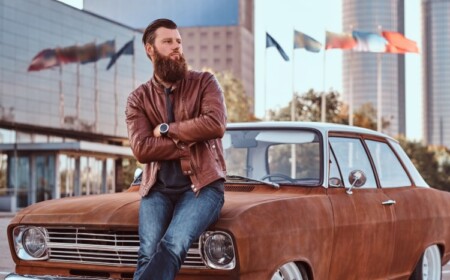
[302, 201]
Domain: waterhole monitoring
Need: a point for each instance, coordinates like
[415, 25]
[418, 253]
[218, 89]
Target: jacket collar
[160, 87]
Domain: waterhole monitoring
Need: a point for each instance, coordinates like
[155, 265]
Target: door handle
[388, 202]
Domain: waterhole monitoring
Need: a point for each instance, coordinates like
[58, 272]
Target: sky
[274, 82]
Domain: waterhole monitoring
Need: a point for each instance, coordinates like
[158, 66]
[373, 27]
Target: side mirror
[137, 173]
[357, 178]
[137, 177]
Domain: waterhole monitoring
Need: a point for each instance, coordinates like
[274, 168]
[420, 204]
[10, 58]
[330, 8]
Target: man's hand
[156, 131]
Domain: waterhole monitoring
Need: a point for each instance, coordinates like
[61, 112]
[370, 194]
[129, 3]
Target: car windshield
[279, 156]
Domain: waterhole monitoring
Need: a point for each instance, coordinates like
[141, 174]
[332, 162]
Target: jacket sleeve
[211, 122]
[145, 147]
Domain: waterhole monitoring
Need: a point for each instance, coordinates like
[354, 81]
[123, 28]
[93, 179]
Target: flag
[106, 49]
[92, 53]
[128, 48]
[369, 42]
[270, 42]
[304, 41]
[87, 53]
[397, 43]
[343, 41]
[67, 55]
[44, 59]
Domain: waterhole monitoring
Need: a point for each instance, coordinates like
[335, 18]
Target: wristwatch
[163, 129]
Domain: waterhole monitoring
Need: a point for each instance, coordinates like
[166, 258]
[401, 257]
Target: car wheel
[429, 266]
[290, 271]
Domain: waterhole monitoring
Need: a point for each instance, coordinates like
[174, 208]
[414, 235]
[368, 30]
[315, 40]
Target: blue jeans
[168, 225]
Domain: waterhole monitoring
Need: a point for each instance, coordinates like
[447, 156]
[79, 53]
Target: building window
[7, 136]
[66, 171]
[91, 173]
[110, 175]
[3, 189]
[19, 179]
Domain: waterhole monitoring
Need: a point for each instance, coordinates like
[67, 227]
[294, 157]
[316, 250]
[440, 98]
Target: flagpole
[379, 90]
[78, 92]
[350, 72]
[293, 86]
[265, 83]
[134, 69]
[61, 97]
[323, 117]
[350, 101]
[379, 99]
[115, 100]
[293, 151]
[96, 96]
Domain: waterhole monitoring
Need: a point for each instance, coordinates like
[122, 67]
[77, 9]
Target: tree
[426, 160]
[308, 108]
[237, 102]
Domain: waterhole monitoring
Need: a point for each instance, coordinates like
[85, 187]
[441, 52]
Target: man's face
[167, 42]
[167, 56]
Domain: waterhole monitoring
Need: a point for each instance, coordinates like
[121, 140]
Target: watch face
[163, 128]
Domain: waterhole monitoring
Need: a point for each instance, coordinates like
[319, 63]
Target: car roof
[324, 128]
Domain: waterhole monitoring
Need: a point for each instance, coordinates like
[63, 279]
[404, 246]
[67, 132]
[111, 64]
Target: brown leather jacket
[194, 137]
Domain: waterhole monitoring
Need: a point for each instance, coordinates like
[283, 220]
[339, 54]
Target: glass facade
[436, 59]
[51, 120]
[360, 70]
[139, 13]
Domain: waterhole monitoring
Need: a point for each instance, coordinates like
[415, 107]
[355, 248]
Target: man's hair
[149, 33]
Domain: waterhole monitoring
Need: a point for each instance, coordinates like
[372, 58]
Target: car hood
[122, 209]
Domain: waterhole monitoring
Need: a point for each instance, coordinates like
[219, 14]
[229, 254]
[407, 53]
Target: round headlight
[34, 243]
[219, 250]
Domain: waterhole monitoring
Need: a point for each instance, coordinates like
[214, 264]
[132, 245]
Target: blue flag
[270, 42]
[128, 48]
[369, 42]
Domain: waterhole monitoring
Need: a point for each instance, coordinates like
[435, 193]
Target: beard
[169, 70]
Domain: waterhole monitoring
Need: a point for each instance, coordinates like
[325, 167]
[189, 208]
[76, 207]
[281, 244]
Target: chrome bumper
[13, 276]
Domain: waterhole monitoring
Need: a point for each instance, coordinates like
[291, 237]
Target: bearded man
[175, 122]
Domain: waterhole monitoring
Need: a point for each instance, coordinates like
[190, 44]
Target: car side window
[351, 155]
[334, 172]
[389, 169]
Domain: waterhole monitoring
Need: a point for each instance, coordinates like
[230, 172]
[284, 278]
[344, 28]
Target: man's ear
[149, 49]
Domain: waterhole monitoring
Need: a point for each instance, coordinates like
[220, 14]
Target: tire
[290, 271]
[429, 266]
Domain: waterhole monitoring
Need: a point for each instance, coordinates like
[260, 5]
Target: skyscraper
[361, 74]
[436, 78]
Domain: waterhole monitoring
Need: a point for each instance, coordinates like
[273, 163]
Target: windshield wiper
[239, 177]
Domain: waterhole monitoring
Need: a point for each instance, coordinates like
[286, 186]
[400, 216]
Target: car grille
[101, 247]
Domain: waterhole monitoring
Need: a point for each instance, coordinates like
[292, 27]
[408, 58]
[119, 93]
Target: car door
[413, 206]
[363, 240]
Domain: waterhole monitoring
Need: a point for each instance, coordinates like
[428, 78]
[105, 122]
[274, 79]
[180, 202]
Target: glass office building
[62, 129]
[217, 35]
[360, 69]
[436, 81]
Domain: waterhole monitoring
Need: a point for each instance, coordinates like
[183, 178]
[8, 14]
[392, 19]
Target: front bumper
[14, 276]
